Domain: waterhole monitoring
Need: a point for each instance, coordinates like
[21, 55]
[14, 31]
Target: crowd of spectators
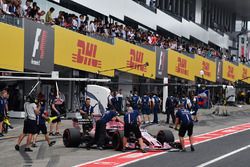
[84, 25]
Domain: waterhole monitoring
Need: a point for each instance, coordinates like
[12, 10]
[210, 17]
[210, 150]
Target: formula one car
[73, 137]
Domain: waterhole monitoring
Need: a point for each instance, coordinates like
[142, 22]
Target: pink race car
[73, 137]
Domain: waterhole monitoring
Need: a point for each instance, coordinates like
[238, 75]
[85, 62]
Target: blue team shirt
[2, 106]
[131, 117]
[115, 103]
[135, 100]
[184, 116]
[88, 109]
[145, 102]
[108, 116]
[157, 102]
[40, 117]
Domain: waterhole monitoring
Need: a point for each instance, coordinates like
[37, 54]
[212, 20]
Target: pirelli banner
[134, 59]
[39, 47]
[244, 73]
[11, 47]
[180, 65]
[80, 52]
[207, 66]
[230, 71]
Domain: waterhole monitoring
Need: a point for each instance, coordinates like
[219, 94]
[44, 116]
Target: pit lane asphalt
[64, 157]
[205, 152]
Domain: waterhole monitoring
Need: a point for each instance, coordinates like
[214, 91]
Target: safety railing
[12, 20]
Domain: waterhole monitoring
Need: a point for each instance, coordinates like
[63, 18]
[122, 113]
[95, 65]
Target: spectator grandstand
[104, 28]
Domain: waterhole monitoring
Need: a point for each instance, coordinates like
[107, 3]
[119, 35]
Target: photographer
[30, 125]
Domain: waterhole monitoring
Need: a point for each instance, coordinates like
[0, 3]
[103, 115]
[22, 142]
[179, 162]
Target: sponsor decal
[230, 72]
[86, 54]
[182, 66]
[136, 61]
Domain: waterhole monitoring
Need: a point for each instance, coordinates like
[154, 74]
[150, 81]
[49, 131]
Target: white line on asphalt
[208, 133]
[223, 156]
[211, 139]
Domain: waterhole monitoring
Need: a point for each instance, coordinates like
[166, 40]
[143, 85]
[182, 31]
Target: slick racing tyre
[117, 140]
[165, 136]
[71, 137]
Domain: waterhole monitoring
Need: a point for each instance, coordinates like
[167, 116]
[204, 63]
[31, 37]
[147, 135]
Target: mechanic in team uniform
[115, 102]
[135, 99]
[87, 113]
[184, 119]
[195, 108]
[171, 103]
[4, 95]
[120, 101]
[100, 132]
[57, 109]
[87, 110]
[145, 108]
[156, 107]
[132, 122]
[41, 122]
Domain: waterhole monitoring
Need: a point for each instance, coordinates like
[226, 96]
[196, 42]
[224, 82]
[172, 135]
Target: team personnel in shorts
[145, 109]
[3, 96]
[132, 122]
[30, 124]
[171, 103]
[156, 107]
[135, 99]
[56, 106]
[184, 119]
[100, 132]
[41, 124]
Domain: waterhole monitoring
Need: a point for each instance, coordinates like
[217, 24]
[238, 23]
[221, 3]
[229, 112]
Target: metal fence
[101, 38]
[12, 20]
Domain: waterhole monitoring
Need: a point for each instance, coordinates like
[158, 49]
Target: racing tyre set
[117, 140]
[165, 136]
[71, 137]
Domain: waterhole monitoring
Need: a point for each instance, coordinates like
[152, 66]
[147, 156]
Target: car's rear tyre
[71, 137]
[165, 136]
[117, 140]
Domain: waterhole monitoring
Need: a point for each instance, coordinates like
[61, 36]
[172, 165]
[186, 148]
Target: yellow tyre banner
[180, 65]
[244, 73]
[81, 52]
[208, 67]
[135, 60]
[11, 47]
[230, 71]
